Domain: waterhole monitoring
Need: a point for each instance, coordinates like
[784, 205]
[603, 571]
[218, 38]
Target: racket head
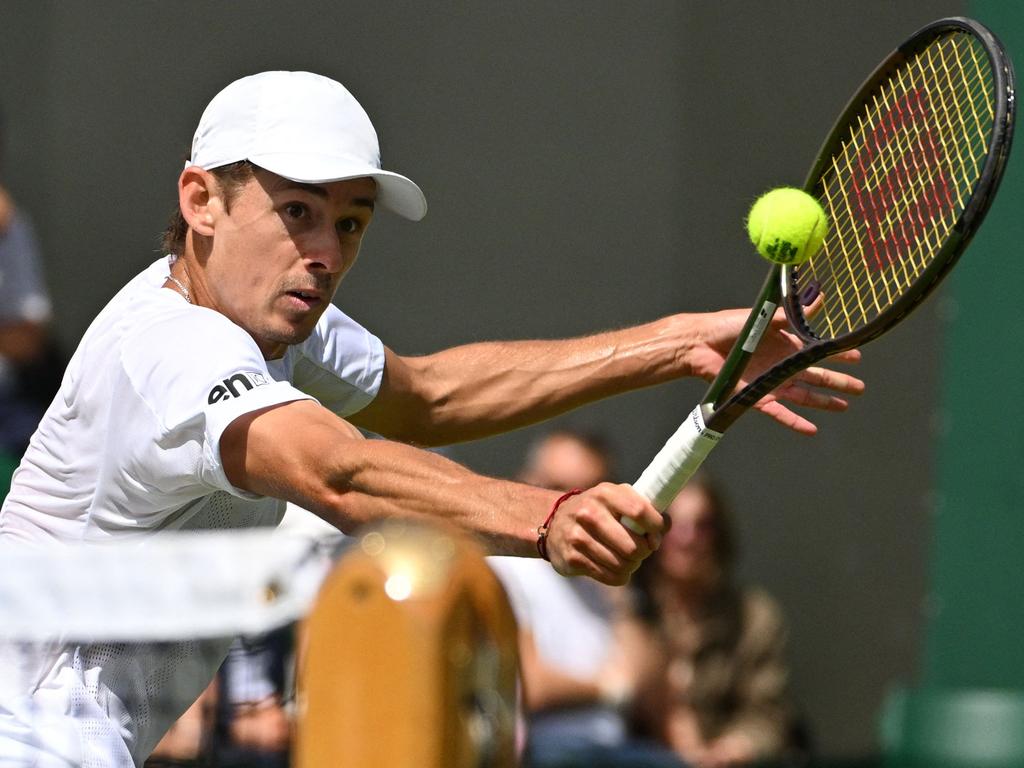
[906, 176]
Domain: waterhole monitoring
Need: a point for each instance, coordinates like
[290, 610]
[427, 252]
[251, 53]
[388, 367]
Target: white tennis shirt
[131, 446]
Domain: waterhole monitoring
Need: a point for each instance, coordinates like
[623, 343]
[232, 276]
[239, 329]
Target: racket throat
[746, 342]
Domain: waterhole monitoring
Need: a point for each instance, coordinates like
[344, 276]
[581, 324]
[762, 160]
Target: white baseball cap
[304, 127]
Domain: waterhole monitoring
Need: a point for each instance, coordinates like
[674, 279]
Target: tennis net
[104, 647]
[243, 648]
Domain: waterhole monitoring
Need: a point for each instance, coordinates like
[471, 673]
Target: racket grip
[675, 463]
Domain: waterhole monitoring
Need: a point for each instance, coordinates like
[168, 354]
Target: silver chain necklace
[181, 287]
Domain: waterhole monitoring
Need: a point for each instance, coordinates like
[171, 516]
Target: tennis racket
[906, 177]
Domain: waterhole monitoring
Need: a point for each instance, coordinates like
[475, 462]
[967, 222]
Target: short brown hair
[231, 178]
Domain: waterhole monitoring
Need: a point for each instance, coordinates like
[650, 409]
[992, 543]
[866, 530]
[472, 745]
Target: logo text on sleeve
[236, 385]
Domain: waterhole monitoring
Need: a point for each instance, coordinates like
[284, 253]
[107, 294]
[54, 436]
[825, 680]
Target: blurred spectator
[245, 718]
[254, 727]
[186, 743]
[28, 374]
[241, 719]
[716, 689]
[577, 661]
[255, 717]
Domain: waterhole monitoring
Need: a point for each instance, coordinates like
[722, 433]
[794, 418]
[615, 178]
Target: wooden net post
[408, 658]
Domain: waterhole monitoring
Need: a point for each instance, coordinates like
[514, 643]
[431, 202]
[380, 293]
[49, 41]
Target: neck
[189, 270]
[178, 280]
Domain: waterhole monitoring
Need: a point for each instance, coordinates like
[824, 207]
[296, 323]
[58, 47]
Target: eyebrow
[319, 191]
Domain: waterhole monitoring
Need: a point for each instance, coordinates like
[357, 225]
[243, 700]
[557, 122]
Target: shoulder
[172, 348]
[182, 327]
[157, 322]
[183, 332]
[337, 336]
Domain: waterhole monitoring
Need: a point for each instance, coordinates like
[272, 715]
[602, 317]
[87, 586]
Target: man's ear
[200, 200]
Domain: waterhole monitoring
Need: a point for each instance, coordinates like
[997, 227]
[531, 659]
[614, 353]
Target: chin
[295, 338]
[286, 337]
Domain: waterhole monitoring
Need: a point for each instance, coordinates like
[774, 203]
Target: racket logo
[899, 184]
[701, 429]
[764, 316]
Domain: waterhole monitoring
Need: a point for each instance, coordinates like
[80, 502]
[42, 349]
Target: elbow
[340, 508]
[331, 493]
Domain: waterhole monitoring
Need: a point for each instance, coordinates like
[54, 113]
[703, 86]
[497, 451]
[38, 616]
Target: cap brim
[394, 191]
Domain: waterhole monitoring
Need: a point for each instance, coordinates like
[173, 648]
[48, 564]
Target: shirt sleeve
[341, 364]
[198, 373]
[23, 295]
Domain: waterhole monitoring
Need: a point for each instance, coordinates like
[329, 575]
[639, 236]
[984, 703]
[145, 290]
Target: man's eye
[296, 210]
[348, 226]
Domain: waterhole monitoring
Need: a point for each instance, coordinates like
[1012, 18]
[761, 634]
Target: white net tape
[104, 646]
[166, 587]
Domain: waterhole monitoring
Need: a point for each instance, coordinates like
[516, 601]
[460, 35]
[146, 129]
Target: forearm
[301, 452]
[360, 481]
[481, 389]
[389, 479]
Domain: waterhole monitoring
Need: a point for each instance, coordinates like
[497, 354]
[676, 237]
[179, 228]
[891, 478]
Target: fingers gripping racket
[906, 177]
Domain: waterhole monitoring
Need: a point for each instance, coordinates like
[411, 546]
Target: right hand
[586, 537]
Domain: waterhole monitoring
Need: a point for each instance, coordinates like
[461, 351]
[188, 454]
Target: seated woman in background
[714, 687]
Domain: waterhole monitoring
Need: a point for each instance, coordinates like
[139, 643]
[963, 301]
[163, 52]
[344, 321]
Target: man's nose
[325, 252]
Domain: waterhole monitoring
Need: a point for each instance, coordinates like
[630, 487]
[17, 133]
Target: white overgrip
[675, 463]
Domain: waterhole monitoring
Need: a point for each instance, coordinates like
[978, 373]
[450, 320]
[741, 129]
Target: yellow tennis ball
[787, 226]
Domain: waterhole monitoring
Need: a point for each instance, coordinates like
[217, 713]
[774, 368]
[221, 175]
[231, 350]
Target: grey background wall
[587, 165]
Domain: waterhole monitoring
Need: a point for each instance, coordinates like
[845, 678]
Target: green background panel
[976, 616]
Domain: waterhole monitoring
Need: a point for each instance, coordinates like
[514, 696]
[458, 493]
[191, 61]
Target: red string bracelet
[542, 531]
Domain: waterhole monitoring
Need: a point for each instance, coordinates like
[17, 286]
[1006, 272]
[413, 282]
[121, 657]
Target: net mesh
[896, 186]
[103, 648]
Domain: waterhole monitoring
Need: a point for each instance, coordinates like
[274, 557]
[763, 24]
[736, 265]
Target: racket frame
[723, 414]
[687, 448]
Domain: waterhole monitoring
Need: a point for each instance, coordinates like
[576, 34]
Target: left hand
[805, 388]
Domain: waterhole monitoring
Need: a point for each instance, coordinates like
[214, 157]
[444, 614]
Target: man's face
[562, 463]
[278, 256]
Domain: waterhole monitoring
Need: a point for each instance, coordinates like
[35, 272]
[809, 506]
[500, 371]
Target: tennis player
[221, 382]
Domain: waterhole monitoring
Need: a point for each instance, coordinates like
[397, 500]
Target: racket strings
[935, 195]
[930, 197]
[896, 187]
[900, 148]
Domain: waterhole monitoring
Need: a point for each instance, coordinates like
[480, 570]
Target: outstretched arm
[303, 453]
[477, 390]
